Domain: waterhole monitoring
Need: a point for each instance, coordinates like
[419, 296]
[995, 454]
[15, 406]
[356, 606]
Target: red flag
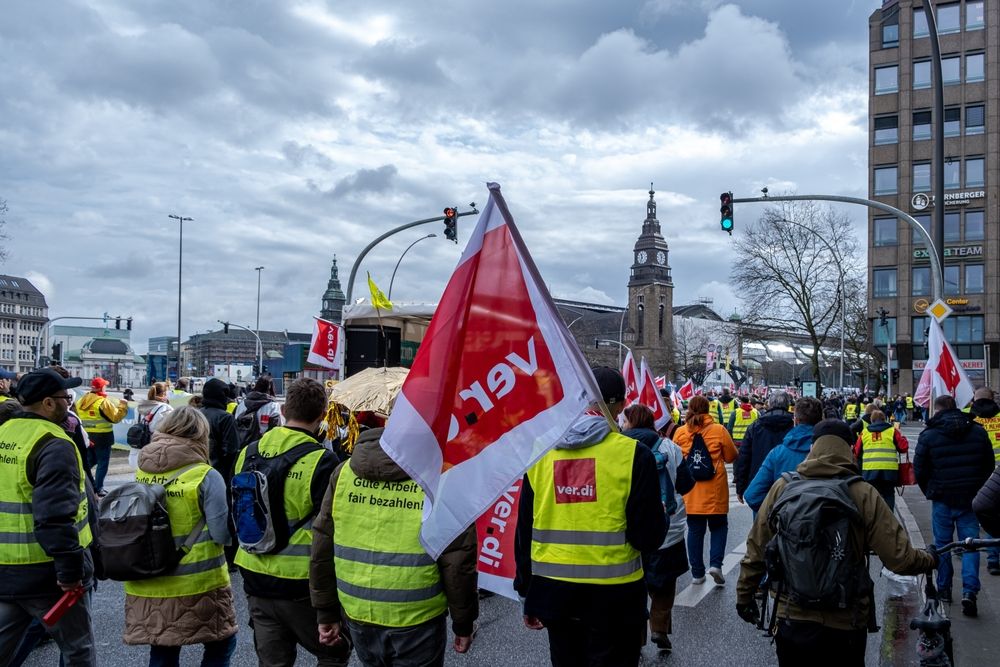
[326, 348]
[661, 381]
[495, 532]
[496, 382]
[687, 390]
[943, 373]
[649, 396]
[633, 381]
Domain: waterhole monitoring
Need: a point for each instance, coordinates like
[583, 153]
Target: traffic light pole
[937, 276]
[48, 328]
[260, 345]
[395, 230]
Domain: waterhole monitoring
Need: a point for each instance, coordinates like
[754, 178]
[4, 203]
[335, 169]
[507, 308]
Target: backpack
[248, 427]
[258, 499]
[140, 433]
[813, 555]
[135, 537]
[667, 494]
[699, 460]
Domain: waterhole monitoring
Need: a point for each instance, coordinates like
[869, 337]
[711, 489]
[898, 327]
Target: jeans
[992, 554]
[946, 521]
[32, 638]
[73, 634]
[595, 643]
[416, 646]
[100, 455]
[887, 490]
[718, 524]
[217, 654]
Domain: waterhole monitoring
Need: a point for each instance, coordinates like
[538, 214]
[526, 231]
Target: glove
[748, 612]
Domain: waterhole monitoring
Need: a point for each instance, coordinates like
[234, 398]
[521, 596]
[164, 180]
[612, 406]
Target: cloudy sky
[298, 130]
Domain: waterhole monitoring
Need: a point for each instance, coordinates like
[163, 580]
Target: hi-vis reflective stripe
[388, 594]
[29, 538]
[566, 570]
[585, 537]
[203, 536]
[199, 566]
[15, 508]
[872, 458]
[381, 557]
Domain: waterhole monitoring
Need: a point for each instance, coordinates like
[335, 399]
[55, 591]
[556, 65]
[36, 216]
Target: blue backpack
[667, 494]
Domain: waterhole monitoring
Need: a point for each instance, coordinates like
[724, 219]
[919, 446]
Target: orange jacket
[712, 496]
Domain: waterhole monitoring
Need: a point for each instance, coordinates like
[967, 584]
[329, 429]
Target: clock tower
[651, 295]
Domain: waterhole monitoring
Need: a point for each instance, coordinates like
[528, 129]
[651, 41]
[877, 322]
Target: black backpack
[258, 499]
[699, 460]
[248, 427]
[135, 537]
[139, 434]
[813, 556]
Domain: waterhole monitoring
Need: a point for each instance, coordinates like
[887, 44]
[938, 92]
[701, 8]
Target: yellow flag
[379, 300]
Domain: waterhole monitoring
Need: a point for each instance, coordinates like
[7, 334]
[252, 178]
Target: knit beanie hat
[611, 383]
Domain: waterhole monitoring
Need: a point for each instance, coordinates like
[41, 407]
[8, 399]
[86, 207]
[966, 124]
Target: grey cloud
[364, 181]
[302, 154]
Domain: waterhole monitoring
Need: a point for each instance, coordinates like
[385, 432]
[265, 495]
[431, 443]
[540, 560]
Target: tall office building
[900, 154]
[23, 315]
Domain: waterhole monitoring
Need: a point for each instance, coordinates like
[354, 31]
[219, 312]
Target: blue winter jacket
[784, 458]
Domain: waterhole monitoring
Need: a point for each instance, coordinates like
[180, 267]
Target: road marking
[909, 523]
[695, 593]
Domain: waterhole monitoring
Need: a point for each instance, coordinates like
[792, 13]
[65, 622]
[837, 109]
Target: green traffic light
[727, 224]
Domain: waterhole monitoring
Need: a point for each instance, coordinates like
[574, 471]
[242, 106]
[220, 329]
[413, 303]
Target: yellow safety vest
[675, 414]
[231, 407]
[713, 407]
[292, 562]
[992, 426]
[91, 416]
[851, 411]
[18, 439]
[178, 398]
[725, 410]
[967, 409]
[4, 398]
[203, 568]
[742, 422]
[579, 514]
[909, 402]
[384, 575]
[879, 449]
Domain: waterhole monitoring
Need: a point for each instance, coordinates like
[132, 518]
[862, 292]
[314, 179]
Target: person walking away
[153, 409]
[277, 583]
[954, 458]
[827, 636]
[194, 603]
[789, 454]
[764, 434]
[260, 401]
[44, 514]
[223, 443]
[877, 451]
[987, 414]
[179, 393]
[578, 550]
[99, 413]
[663, 567]
[725, 408]
[708, 502]
[355, 573]
[740, 420]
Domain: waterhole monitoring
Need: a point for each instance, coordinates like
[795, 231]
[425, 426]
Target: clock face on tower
[661, 258]
[642, 256]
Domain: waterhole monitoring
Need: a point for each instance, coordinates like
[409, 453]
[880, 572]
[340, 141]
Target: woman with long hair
[153, 409]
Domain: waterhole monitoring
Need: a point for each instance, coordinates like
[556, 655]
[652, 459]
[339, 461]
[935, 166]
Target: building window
[885, 231]
[952, 178]
[951, 70]
[948, 19]
[921, 176]
[920, 279]
[974, 226]
[974, 278]
[975, 119]
[640, 317]
[975, 67]
[660, 323]
[919, 23]
[953, 122]
[884, 281]
[884, 334]
[974, 174]
[885, 180]
[890, 32]
[886, 79]
[975, 18]
[886, 130]
[922, 74]
[921, 125]
[965, 333]
[952, 276]
[952, 227]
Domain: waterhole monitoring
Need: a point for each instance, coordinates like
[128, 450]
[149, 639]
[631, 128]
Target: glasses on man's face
[68, 398]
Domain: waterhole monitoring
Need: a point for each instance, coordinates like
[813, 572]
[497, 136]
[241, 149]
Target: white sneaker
[698, 580]
[716, 575]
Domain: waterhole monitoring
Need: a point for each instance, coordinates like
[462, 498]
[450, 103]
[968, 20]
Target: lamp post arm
[398, 261]
[260, 345]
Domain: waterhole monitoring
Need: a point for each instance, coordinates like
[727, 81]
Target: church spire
[651, 225]
[333, 298]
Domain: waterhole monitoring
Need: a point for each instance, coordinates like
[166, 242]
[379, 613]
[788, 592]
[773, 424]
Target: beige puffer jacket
[191, 619]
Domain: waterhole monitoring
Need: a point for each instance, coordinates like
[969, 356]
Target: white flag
[943, 373]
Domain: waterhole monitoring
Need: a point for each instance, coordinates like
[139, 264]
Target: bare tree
[793, 271]
[689, 342]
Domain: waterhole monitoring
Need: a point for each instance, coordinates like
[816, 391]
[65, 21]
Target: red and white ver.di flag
[687, 390]
[327, 346]
[633, 381]
[943, 372]
[496, 382]
[651, 398]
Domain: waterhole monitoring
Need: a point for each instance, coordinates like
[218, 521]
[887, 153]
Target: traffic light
[225, 329]
[264, 368]
[128, 324]
[726, 211]
[256, 369]
[451, 224]
[57, 353]
[895, 375]
[118, 323]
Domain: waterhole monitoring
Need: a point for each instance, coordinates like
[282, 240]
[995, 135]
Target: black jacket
[986, 505]
[646, 526]
[223, 441]
[985, 408]
[763, 435]
[954, 458]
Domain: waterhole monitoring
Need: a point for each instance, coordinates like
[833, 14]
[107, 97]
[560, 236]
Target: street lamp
[429, 236]
[180, 272]
[260, 347]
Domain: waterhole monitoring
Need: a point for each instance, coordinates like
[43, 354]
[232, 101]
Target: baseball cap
[41, 384]
[7, 375]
